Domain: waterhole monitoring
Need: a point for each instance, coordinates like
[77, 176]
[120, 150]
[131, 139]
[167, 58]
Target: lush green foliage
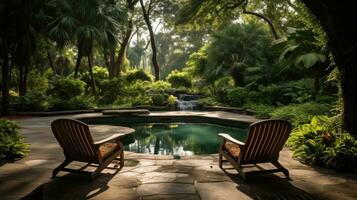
[66, 87]
[300, 113]
[179, 79]
[11, 143]
[316, 143]
[109, 90]
[75, 103]
[32, 101]
[171, 100]
[138, 75]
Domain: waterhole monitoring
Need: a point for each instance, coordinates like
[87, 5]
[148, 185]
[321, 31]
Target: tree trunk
[106, 59]
[78, 62]
[90, 70]
[268, 21]
[122, 50]
[111, 62]
[50, 60]
[23, 70]
[5, 81]
[152, 41]
[336, 18]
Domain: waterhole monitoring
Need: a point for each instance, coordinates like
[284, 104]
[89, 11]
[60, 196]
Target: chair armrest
[227, 137]
[108, 139]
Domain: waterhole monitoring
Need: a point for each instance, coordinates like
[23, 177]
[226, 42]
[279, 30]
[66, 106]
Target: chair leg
[60, 167]
[122, 159]
[283, 169]
[220, 160]
[100, 168]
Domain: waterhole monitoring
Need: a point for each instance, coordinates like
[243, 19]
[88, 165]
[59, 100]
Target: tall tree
[17, 43]
[337, 19]
[146, 14]
[116, 70]
[86, 21]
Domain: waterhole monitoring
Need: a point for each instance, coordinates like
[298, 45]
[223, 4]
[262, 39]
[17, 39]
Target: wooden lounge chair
[78, 145]
[264, 141]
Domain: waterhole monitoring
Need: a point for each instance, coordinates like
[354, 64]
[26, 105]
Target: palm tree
[299, 50]
[85, 23]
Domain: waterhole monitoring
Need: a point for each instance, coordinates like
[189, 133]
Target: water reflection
[182, 139]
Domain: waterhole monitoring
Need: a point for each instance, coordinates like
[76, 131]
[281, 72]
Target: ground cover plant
[12, 145]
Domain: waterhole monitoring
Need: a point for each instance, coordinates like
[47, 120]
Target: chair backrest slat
[75, 139]
[265, 140]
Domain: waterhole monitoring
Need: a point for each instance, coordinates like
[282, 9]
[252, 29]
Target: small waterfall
[186, 105]
[187, 102]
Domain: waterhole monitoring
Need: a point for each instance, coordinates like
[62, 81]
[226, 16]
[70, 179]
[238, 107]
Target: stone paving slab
[165, 188]
[220, 190]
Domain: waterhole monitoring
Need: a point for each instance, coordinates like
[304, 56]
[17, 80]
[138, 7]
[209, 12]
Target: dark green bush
[208, 101]
[315, 143]
[75, 103]
[11, 143]
[261, 111]
[32, 101]
[300, 113]
[179, 79]
[238, 96]
[300, 91]
[138, 75]
[100, 74]
[66, 87]
[271, 95]
[221, 87]
[109, 90]
[158, 99]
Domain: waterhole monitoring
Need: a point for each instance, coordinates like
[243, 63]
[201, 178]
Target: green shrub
[158, 99]
[66, 87]
[138, 75]
[208, 101]
[261, 111]
[11, 143]
[75, 103]
[300, 91]
[100, 74]
[271, 95]
[221, 87]
[32, 101]
[238, 96]
[300, 113]
[109, 90]
[171, 100]
[160, 86]
[37, 82]
[179, 79]
[138, 100]
[316, 144]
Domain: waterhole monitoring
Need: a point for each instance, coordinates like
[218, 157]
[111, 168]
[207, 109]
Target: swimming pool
[183, 139]
[175, 136]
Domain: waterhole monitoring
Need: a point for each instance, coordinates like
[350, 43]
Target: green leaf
[310, 59]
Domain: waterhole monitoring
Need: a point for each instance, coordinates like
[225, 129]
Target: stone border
[229, 109]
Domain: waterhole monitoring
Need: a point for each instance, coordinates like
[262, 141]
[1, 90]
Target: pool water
[178, 139]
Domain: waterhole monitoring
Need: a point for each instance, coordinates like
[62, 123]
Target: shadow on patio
[269, 187]
[71, 186]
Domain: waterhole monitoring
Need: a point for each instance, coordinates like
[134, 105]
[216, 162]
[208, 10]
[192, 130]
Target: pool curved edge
[220, 118]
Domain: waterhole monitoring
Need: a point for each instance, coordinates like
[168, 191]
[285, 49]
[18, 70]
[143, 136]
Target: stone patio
[161, 177]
